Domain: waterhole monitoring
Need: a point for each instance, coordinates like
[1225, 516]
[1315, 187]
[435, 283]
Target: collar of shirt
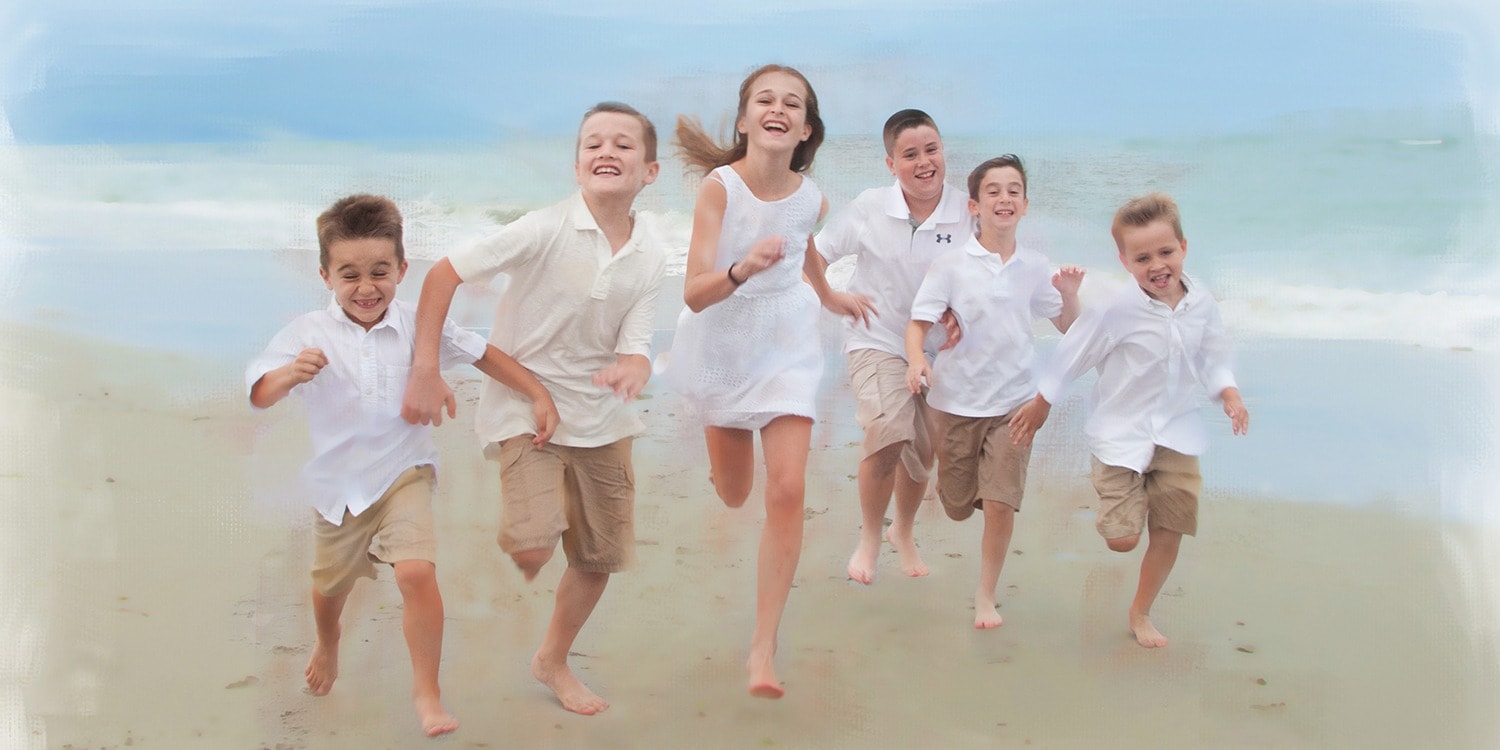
[992, 260]
[951, 207]
[583, 221]
[1155, 306]
[391, 319]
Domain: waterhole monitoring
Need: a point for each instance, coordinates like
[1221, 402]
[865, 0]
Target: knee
[882, 463]
[415, 577]
[1124, 543]
[733, 496]
[530, 561]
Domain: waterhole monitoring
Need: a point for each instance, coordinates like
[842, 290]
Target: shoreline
[160, 587]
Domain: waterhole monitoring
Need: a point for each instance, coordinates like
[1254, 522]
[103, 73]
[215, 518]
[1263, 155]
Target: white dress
[755, 355]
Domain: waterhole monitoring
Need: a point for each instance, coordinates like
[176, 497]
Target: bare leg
[577, 593]
[909, 494]
[323, 666]
[999, 522]
[731, 463]
[1156, 565]
[530, 561]
[786, 441]
[422, 620]
[877, 477]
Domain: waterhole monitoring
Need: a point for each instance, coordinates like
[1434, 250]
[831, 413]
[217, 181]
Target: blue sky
[181, 71]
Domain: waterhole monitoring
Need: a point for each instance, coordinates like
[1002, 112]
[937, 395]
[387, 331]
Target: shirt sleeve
[639, 323]
[1046, 301]
[460, 346]
[1082, 349]
[1215, 358]
[499, 252]
[284, 347]
[841, 236]
[933, 295]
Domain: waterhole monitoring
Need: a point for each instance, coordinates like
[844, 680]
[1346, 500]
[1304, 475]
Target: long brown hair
[701, 151]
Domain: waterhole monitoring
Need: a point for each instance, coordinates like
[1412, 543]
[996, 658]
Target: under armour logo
[945, 238]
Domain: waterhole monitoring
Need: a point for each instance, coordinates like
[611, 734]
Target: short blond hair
[1144, 209]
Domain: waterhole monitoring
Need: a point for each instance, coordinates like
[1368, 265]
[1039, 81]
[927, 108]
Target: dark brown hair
[903, 121]
[702, 152]
[359, 217]
[976, 178]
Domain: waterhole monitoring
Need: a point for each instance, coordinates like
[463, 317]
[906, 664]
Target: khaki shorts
[584, 496]
[1166, 495]
[976, 462]
[888, 411]
[397, 527]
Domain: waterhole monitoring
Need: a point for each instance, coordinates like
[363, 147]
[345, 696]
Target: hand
[547, 419]
[1067, 280]
[626, 377]
[306, 366]
[426, 395]
[856, 306]
[766, 252]
[1234, 408]
[949, 321]
[1028, 419]
[917, 372]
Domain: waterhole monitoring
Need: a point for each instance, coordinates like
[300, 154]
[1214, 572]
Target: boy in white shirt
[371, 474]
[578, 311]
[1153, 344]
[895, 232]
[995, 288]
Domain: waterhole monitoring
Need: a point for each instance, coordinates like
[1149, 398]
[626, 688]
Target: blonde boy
[371, 474]
[1154, 344]
[578, 312]
[995, 287]
[896, 232]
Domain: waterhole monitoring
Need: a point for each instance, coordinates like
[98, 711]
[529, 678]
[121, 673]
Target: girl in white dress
[746, 354]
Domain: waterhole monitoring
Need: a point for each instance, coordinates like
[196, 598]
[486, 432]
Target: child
[371, 474]
[746, 354]
[994, 287]
[895, 231]
[578, 311]
[1152, 344]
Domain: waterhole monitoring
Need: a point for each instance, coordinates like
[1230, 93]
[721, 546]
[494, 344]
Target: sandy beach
[156, 596]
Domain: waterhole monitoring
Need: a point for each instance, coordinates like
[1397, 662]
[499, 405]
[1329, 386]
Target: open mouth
[1160, 280]
[929, 174]
[607, 169]
[366, 304]
[776, 127]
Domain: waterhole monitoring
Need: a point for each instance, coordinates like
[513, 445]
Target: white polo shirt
[892, 258]
[360, 442]
[1150, 358]
[989, 372]
[570, 308]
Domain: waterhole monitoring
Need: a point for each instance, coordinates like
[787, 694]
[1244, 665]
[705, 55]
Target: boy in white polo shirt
[1154, 344]
[895, 232]
[371, 474]
[578, 312]
[995, 288]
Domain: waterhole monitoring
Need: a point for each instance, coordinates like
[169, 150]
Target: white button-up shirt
[989, 372]
[1151, 358]
[360, 442]
[892, 258]
[570, 308]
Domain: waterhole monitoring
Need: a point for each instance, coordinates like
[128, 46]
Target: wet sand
[156, 596]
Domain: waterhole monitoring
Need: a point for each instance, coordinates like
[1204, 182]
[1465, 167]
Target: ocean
[1357, 267]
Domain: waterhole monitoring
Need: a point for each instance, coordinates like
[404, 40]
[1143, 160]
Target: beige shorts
[397, 527]
[888, 411]
[584, 496]
[976, 462]
[1166, 495]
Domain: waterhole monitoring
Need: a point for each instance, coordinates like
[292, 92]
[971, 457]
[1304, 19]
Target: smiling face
[1153, 254]
[363, 274]
[775, 112]
[1001, 201]
[612, 158]
[916, 159]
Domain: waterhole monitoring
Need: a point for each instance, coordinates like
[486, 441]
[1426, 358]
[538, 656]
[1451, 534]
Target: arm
[426, 393]
[275, 385]
[917, 369]
[1066, 281]
[626, 377]
[510, 373]
[815, 270]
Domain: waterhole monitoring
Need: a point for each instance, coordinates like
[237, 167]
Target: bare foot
[322, 668]
[986, 616]
[763, 682]
[435, 719]
[1145, 633]
[911, 561]
[862, 563]
[571, 693]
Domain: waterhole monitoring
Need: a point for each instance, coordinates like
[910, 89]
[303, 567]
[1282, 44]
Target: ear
[1184, 247]
[806, 131]
[578, 174]
[652, 168]
[401, 272]
[890, 163]
[324, 273]
[974, 208]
